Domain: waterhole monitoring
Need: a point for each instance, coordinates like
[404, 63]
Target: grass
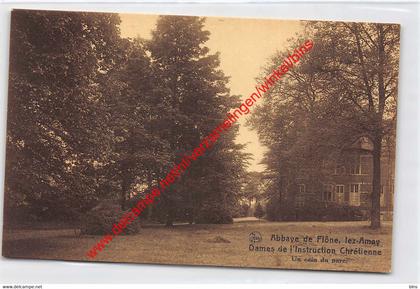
[215, 245]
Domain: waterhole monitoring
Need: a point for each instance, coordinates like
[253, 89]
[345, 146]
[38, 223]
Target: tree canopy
[346, 88]
[94, 116]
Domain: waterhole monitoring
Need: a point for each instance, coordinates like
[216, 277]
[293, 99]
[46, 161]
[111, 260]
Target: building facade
[347, 181]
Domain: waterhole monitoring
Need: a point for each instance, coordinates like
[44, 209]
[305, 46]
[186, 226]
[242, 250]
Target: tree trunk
[149, 213]
[124, 190]
[378, 135]
[375, 214]
[125, 184]
[149, 187]
[170, 216]
[191, 216]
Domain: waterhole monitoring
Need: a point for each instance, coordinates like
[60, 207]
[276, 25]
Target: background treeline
[344, 89]
[93, 117]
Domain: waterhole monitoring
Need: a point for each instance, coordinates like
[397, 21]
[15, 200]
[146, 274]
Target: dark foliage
[101, 219]
[316, 211]
[345, 88]
[259, 211]
[241, 210]
[212, 213]
[94, 116]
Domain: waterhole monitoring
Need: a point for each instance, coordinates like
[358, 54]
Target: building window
[302, 188]
[382, 196]
[339, 170]
[354, 194]
[365, 167]
[356, 166]
[300, 201]
[327, 194]
[339, 194]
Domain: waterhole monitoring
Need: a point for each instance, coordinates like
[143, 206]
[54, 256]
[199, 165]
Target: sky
[245, 45]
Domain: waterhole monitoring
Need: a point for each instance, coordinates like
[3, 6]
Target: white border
[406, 265]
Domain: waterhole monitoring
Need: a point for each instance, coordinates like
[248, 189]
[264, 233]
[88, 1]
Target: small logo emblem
[255, 237]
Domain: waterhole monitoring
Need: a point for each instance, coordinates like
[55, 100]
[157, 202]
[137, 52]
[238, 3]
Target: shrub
[100, 220]
[213, 213]
[275, 211]
[259, 211]
[316, 211]
[329, 212]
[240, 210]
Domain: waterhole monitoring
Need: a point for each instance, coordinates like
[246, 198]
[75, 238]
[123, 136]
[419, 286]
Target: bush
[259, 211]
[241, 210]
[317, 211]
[100, 220]
[213, 213]
[274, 209]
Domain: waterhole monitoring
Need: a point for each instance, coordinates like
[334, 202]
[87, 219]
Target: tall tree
[363, 61]
[57, 122]
[344, 89]
[196, 92]
[134, 100]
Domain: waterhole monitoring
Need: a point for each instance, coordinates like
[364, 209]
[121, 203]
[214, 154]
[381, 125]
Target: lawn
[215, 245]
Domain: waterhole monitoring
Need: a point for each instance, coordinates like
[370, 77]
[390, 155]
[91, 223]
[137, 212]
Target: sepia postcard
[201, 140]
